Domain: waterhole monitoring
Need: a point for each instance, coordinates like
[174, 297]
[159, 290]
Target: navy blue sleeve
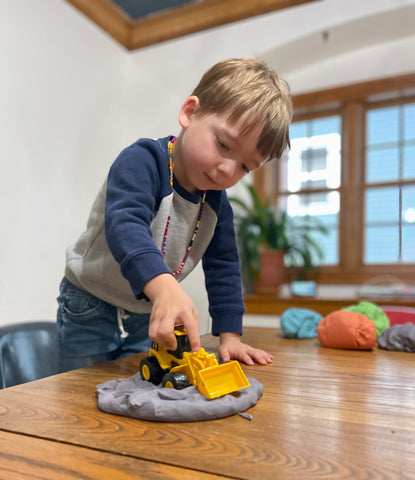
[135, 186]
[223, 275]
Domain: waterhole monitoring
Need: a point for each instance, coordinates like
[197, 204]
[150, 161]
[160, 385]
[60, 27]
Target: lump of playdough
[374, 312]
[344, 329]
[134, 397]
[300, 323]
[399, 338]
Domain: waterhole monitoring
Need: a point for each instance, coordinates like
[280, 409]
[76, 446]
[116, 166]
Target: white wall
[71, 98]
[59, 85]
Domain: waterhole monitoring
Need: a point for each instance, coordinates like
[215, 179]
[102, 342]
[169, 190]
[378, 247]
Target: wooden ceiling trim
[107, 16]
[175, 22]
[195, 17]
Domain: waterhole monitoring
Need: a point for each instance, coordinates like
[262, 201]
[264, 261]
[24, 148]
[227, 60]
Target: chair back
[28, 351]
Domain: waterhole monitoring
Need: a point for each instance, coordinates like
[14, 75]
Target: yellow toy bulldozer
[180, 368]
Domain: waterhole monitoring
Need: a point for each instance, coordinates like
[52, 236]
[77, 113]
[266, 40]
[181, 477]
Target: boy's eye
[245, 168]
[222, 144]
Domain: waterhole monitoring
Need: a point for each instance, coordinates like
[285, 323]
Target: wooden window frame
[351, 102]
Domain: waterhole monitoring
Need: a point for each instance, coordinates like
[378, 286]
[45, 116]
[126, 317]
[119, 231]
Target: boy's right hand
[171, 307]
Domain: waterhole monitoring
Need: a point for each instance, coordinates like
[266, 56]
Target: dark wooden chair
[28, 351]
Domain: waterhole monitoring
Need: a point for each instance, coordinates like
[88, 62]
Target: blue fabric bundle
[300, 323]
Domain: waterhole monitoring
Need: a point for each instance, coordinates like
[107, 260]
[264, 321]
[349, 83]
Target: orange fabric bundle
[344, 329]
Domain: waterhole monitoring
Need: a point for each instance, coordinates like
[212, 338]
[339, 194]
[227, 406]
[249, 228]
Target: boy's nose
[227, 166]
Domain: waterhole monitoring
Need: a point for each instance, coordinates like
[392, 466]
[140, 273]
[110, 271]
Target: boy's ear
[188, 111]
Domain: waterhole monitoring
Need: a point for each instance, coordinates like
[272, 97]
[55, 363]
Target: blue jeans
[89, 333]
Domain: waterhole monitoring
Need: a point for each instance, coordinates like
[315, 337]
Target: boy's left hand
[231, 348]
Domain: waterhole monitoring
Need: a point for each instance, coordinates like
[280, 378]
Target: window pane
[390, 149]
[381, 239]
[382, 125]
[382, 205]
[324, 207]
[409, 122]
[316, 126]
[321, 126]
[313, 161]
[381, 245]
[298, 130]
[329, 243]
[390, 224]
[382, 165]
[314, 204]
[409, 162]
[408, 204]
[408, 243]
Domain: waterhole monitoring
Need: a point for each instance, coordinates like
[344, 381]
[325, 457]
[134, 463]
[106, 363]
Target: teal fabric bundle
[300, 323]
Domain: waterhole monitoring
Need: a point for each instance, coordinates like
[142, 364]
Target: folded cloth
[300, 323]
[343, 329]
[137, 398]
[399, 338]
[374, 312]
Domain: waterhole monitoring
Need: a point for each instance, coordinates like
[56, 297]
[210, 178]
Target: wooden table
[325, 414]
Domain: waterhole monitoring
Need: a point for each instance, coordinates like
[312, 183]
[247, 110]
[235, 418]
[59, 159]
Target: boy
[162, 208]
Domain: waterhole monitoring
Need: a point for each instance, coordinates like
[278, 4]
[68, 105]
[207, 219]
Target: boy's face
[210, 152]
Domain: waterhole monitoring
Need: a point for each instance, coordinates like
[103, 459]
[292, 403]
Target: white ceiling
[343, 38]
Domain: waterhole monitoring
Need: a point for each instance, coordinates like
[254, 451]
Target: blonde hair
[241, 85]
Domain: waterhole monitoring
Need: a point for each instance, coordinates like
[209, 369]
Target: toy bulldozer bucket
[221, 379]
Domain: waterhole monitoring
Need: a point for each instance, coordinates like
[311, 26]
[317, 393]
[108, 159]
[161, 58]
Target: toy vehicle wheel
[150, 370]
[177, 380]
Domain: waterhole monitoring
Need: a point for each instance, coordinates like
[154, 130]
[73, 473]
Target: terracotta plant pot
[272, 271]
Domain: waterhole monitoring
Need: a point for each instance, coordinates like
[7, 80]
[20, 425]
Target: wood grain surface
[325, 413]
[28, 458]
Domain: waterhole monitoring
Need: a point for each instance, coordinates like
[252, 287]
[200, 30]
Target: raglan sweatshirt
[120, 250]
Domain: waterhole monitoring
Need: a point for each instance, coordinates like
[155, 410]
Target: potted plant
[270, 241]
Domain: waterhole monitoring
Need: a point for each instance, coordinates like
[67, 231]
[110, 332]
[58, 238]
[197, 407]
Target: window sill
[326, 301]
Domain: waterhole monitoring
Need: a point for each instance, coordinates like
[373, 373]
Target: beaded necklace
[202, 204]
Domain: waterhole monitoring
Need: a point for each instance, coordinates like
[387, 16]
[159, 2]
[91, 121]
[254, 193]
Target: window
[389, 214]
[309, 178]
[352, 165]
